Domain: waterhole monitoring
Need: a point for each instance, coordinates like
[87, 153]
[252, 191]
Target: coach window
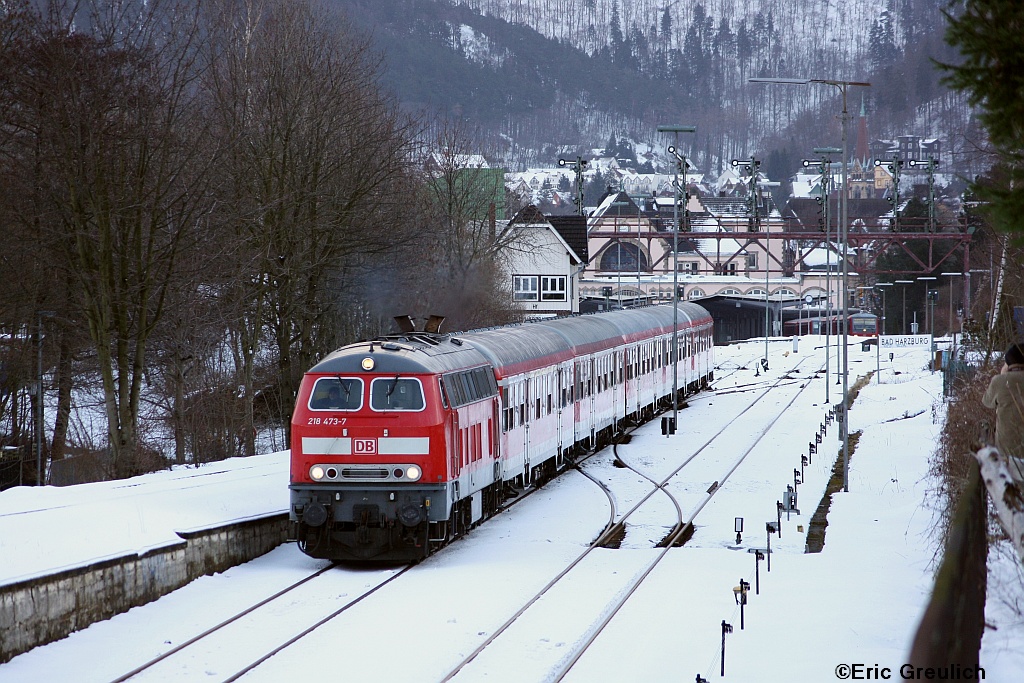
[396, 393]
[337, 393]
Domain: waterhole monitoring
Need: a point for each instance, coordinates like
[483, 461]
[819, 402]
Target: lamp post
[903, 288]
[680, 166]
[929, 309]
[843, 226]
[882, 286]
[951, 276]
[825, 165]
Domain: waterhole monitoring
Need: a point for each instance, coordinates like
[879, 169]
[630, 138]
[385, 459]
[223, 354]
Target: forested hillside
[549, 75]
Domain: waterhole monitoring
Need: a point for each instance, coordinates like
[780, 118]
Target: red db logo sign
[364, 446]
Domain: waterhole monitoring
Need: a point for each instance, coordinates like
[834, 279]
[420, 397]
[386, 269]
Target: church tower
[861, 151]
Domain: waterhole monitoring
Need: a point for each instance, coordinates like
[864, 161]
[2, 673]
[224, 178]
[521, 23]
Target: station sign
[905, 341]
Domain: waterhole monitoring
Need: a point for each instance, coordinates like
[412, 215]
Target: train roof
[510, 349]
[414, 354]
[516, 348]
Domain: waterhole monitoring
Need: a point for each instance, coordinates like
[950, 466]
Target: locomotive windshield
[864, 324]
[337, 393]
[396, 393]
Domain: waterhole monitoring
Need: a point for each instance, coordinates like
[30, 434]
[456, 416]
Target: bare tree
[314, 152]
[105, 133]
[464, 200]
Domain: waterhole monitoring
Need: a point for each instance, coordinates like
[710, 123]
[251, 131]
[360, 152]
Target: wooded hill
[545, 77]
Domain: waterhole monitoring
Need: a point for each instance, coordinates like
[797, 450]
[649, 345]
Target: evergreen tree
[612, 148]
[987, 35]
[882, 40]
[725, 41]
[594, 190]
[744, 48]
[638, 49]
[666, 27]
[619, 47]
[625, 151]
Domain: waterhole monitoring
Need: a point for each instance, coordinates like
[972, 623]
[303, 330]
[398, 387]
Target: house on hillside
[907, 148]
[545, 259]
[470, 183]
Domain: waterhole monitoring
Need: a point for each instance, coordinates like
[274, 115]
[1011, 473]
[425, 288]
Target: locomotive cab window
[337, 393]
[396, 393]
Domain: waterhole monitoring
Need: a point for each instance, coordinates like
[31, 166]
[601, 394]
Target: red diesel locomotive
[402, 443]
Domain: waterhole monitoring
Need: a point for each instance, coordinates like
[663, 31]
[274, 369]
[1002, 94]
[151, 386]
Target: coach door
[455, 445]
[588, 388]
[559, 398]
[524, 409]
[494, 435]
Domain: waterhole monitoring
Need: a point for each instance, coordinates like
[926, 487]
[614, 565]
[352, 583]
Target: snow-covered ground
[857, 602]
[44, 530]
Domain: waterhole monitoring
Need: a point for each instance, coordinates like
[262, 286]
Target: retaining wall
[47, 608]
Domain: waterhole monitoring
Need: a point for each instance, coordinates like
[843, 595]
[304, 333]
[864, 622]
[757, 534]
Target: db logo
[364, 446]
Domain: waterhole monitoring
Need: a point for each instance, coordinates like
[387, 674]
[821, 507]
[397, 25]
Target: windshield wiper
[346, 386]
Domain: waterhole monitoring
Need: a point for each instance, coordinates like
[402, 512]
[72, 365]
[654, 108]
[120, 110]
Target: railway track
[680, 531]
[162, 667]
[675, 537]
[240, 628]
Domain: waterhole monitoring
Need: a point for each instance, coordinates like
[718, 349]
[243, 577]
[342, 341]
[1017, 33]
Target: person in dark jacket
[1005, 393]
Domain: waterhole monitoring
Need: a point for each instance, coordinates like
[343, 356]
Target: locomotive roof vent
[431, 326]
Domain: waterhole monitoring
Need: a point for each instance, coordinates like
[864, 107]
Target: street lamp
[680, 166]
[903, 319]
[825, 165]
[578, 166]
[883, 285]
[929, 309]
[951, 276]
[843, 220]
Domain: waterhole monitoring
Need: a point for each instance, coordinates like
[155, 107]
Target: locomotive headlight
[316, 473]
[413, 472]
[367, 364]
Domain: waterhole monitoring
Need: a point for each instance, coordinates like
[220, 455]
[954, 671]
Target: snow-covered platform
[74, 555]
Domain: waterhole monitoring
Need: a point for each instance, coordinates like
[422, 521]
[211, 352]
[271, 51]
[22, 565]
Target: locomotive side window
[396, 394]
[337, 393]
[468, 386]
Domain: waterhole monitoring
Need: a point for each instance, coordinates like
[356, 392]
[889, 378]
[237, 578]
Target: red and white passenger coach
[401, 443]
